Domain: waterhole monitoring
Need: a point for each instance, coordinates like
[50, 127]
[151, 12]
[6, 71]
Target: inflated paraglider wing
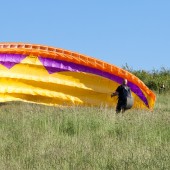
[54, 76]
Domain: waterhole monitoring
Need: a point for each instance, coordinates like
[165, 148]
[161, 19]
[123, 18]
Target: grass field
[41, 137]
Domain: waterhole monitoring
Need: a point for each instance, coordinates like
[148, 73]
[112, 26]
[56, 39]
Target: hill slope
[41, 137]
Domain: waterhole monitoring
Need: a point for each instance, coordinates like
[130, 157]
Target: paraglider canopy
[54, 76]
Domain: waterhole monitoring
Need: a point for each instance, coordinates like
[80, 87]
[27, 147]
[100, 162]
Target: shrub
[157, 80]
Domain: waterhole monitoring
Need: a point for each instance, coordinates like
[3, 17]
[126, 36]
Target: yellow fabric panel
[30, 82]
[56, 93]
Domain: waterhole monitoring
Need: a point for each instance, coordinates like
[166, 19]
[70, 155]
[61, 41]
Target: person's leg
[118, 107]
[123, 110]
[123, 105]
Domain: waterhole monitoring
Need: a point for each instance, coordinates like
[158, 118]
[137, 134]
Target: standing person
[123, 92]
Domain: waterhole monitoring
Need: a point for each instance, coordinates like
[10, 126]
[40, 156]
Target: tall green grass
[76, 138]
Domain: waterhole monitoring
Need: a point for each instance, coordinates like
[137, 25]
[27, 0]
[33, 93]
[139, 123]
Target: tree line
[156, 80]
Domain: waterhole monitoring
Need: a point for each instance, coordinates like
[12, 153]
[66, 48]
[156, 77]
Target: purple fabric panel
[53, 66]
[9, 60]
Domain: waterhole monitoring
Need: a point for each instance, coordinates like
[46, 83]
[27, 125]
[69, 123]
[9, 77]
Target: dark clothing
[121, 105]
[124, 92]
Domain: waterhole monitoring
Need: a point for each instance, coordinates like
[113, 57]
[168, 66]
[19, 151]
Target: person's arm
[114, 94]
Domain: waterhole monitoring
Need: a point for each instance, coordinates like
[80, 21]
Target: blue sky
[136, 32]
